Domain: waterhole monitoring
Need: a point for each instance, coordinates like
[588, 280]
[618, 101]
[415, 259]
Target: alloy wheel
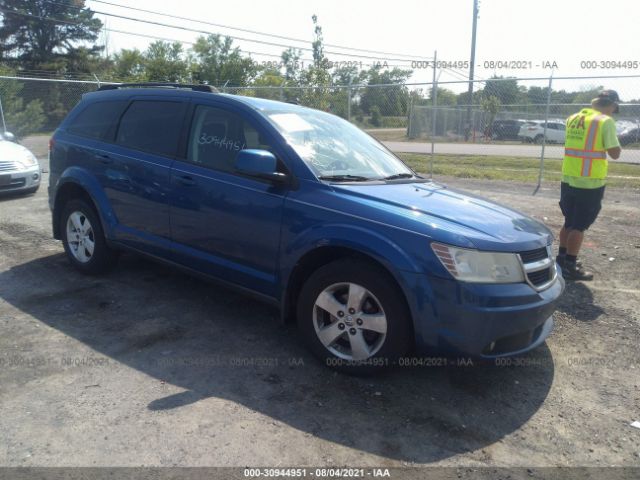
[80, 237]
[349, 321]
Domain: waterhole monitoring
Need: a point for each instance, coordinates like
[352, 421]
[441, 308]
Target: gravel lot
[148, 366]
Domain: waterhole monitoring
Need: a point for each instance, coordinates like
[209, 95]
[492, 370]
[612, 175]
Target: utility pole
[472, 62]
[4, 125]
[434, 105]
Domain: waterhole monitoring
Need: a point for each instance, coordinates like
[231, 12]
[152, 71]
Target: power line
[80, 74]
[409, 57]
[206, 32]
[168, 39]
[155, 37]
[57, 20]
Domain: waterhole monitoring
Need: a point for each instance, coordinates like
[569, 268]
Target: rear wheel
[83, 239]
[353, 317]
[538, 139]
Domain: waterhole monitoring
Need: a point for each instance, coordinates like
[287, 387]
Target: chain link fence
[512, 129]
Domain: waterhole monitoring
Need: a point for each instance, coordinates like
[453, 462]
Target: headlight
[28, 161]
[479, 267]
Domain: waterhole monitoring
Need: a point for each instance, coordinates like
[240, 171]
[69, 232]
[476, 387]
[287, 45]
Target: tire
[348, 345]
[538, 139]
[88, 252]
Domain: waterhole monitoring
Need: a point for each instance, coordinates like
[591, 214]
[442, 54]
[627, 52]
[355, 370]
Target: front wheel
[353, 317]
[83, 239]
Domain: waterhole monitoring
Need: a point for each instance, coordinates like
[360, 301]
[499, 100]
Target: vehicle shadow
[577, 301]
[13, 195]
[215, 343]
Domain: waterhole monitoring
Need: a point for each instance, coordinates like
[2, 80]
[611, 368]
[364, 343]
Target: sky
[535, 34]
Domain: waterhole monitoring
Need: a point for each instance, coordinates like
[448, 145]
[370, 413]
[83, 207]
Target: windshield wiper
[398, 176]
[345, 178]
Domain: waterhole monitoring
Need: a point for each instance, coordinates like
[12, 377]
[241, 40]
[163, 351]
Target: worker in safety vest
[590, 136]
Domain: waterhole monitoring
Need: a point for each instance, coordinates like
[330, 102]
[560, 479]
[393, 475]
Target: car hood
[13, 151]
[452, 216]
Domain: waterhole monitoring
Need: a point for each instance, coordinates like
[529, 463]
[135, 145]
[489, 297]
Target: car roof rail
[195, 88]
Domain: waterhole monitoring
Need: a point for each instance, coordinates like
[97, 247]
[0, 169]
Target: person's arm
[614, 152]
[610, 139]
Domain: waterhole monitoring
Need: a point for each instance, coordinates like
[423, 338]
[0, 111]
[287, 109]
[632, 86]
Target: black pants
[580, 206]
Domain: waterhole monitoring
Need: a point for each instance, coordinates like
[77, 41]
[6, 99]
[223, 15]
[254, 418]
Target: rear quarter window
[152, 126]
[97, 120]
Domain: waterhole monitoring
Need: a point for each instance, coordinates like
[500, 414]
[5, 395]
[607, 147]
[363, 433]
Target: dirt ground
[148, 366]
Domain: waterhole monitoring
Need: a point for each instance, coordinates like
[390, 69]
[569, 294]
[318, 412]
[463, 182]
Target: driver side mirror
[261, 164]
[10, 137]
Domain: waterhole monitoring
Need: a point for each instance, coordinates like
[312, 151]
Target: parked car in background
[305, 211]
[506, 129]
[629, 136]
[19, 168]
[533, 131]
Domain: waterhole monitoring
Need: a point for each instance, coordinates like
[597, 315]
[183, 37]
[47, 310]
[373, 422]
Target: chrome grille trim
[537, 266]
[6, 166]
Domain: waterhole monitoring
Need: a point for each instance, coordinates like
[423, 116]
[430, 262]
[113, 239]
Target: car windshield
[335, 149]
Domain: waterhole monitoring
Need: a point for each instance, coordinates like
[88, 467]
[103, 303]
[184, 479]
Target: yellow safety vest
[584, 153]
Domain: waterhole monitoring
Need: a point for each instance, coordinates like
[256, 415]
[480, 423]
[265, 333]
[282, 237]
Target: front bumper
[19, 180]
[483, 320]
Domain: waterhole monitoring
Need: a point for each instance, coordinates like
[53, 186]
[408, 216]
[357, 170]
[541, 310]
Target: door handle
[186, 180]
[106, 159]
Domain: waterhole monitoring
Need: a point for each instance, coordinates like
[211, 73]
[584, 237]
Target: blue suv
[302, 209]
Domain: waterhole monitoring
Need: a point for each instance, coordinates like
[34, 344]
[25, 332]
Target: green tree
[391, 101]
[463, 98]
[293, 73]
[587, 94]
[41, 34]
[216, 61]
[537, 95]
[491, 106]
[504, 89]
[22, 118]
[445, 96]
[268, 83]
[129, 65]
[376, 116]
[317, 75]
[293, 66]
[164, 62]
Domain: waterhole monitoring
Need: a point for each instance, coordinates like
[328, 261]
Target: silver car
[19, 168]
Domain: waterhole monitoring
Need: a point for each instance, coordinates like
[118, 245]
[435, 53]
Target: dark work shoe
[573, 271]
[561, 260]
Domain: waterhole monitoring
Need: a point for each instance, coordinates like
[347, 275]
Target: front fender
[354, 237]
[401, 266]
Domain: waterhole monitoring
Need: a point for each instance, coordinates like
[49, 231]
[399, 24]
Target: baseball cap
[607, 97]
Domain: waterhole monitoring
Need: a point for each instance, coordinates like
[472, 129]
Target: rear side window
[97, 119]
[151, 126]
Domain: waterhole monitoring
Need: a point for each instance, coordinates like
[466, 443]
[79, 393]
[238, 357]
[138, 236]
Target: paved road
[551, 151]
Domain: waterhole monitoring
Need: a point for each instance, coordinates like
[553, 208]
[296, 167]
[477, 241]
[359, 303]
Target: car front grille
[7, 165]
[534, 255]
[539, 267]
